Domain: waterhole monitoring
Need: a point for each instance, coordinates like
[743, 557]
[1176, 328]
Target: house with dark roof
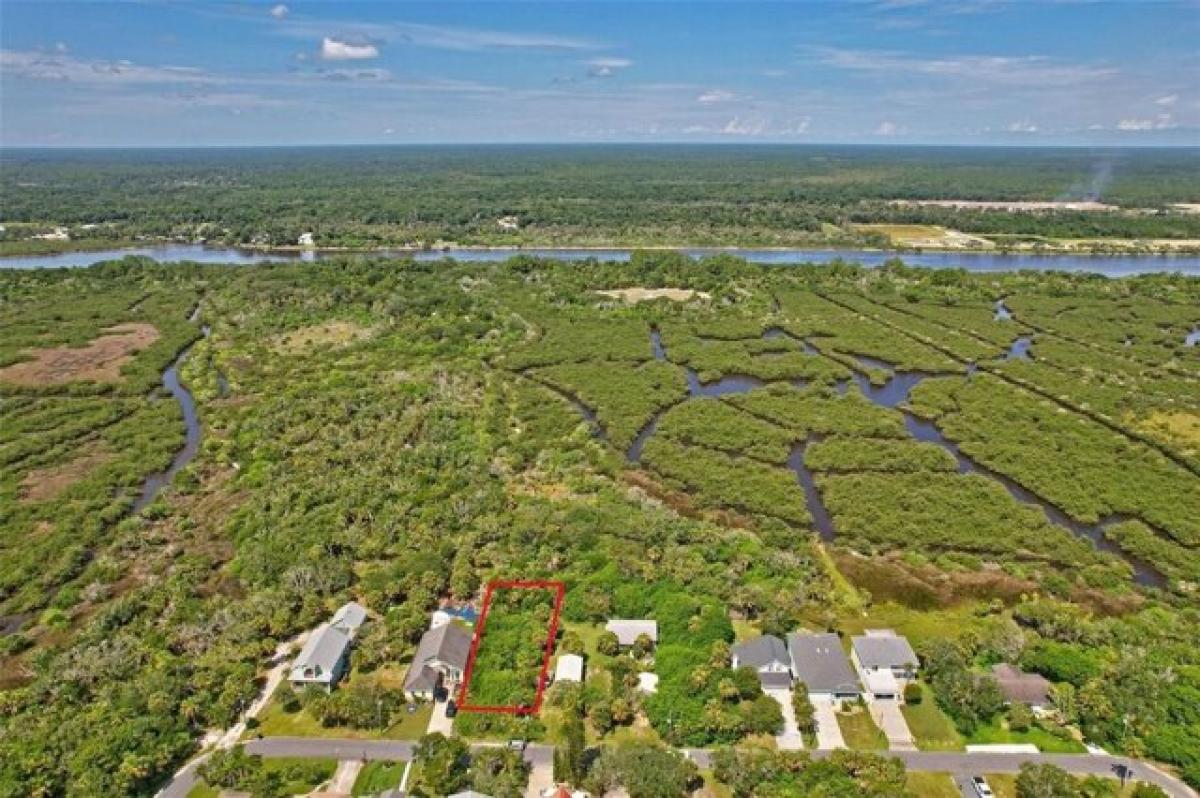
[769, 658]
[820, 663]
[440, 661]
[1020, 687]
[324, 659]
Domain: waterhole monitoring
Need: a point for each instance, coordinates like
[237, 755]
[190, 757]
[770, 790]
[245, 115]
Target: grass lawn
[931, 729]
[375, 777]
[1005, 785]
[917, 625]
[745, 630]
[274, 722]
[713, 788]
[1045, 741]
[932, 785]
[860, 731]
[202, 790]
[301, 775]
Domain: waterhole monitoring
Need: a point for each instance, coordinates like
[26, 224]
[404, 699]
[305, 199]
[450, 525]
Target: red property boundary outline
[560, 591]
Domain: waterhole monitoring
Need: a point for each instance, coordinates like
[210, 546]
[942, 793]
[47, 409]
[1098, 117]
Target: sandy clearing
[999, 205]
[98, 361]
[46, 483]
[331, 333]
[635, 295]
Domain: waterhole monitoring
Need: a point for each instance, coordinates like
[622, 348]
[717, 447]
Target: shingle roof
[628, 631]
[884, 651]
[1019, 686]
[319, 658]
[819, 662]
[761, 651]
[449, 643]
[775, 680]
[349, 616]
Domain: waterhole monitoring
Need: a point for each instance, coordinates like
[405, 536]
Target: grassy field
[932, 785]
[931, 729]
[860, 731]
[1044, 740]
[375, 777]
[274, 722]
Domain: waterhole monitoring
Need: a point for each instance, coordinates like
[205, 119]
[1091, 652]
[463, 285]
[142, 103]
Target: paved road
[957, 764]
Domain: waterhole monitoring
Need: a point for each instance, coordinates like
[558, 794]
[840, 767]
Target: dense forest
[584, 196]
[779, 449]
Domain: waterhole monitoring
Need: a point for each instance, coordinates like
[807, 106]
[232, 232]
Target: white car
[981, 787]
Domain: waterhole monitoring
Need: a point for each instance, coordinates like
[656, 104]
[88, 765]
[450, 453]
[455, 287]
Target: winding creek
[191, 421]
[891, 394]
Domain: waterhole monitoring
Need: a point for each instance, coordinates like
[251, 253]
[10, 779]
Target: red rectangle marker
[559, 590]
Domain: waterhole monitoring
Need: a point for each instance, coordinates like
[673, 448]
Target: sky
[169, 73]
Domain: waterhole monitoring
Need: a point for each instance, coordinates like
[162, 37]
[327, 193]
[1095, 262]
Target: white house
[769, 658]
[323, 660]
[884, 660]
[628, 631]
[569, 668]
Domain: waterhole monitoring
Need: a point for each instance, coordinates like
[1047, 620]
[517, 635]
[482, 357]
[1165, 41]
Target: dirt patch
[1179, 428]
[926, 235]
[331, 333]
[42, 484]
[635, 295]
[99, 361]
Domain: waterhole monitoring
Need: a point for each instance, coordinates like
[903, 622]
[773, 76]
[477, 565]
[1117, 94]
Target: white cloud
[280, 11]
[887, 129]
[1169, 99]
[744, 127]
[1023, 126]
[29, 65]
[607, 67]
[713, 96]
[1161, 122]
[337, 50]
[1028, 70]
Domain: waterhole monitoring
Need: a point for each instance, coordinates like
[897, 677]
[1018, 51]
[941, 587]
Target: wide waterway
[1110, 265]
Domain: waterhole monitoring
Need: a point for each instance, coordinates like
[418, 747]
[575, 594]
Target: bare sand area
[635, 295]
[99, 361]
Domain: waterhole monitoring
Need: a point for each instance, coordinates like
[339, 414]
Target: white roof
[882, 682]
[628, 631]
[648, 682]
[320, 655]
[349, 616]
[569, 668]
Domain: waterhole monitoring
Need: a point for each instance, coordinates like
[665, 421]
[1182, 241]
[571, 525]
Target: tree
[1045, 781]
[499, 772]
[1020, 717]
[443, 763]
[644, 771]
[569, 756]
[913, 694]
[642, 646]
[1145, 790]
[762, 715]
[608, 644]
[572, 643]
[806, 713]
[747, 681]
[229, 768]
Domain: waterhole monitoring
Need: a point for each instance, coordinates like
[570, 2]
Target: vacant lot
[99, 361]
[635, 295]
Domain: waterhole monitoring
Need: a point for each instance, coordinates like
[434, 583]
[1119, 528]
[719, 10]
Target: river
[1109, 265]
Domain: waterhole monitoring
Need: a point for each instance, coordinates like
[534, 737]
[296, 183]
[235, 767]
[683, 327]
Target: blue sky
[863, 71]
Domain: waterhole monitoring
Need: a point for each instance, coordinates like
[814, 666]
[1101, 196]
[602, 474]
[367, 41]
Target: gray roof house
[767, 655]
[349, 617]
[819, 662]
[441, 657]
[323, 659]
[628, 631]
[881, 649]
[1020, 687]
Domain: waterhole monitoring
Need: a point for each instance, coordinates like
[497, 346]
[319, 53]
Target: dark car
[451, 709]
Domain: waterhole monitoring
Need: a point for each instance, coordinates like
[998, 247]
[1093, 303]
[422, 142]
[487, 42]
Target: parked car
[451, 709]
[981, 787]
[517, 745]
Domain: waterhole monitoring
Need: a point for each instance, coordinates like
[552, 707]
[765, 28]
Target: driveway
[829, 733]
[438, 722]
[890, 720]
[541, 770]
[790, 739]
[344, 777]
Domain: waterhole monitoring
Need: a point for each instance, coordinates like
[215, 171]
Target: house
[349, 617]
[569, 668]
[884, 660]
[305, 240]
[469, 794]
[819, 662]
[769, 657]
[1020, 687]
[323, 660]
[648, 682]
[628, 631]
[440, 660]
[447, 614]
